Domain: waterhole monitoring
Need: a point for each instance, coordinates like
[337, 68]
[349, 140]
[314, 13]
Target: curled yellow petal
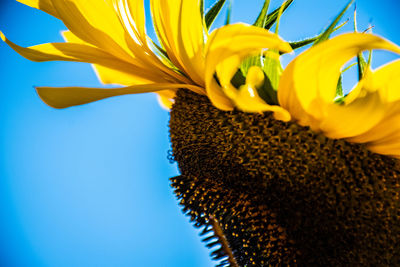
[386, 80]
[247, 99]
[370, 112]
[225, 49]
[63, 97]
[384, 136]
[310, 80]
[343, 121]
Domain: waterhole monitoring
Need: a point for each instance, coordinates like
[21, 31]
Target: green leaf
[273, 16]
[327, 33]
[262, 17]
[213, 12]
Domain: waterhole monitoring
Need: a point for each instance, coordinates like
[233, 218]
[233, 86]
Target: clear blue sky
[88, 186]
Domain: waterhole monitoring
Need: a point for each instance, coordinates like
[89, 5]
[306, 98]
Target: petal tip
[2, 36]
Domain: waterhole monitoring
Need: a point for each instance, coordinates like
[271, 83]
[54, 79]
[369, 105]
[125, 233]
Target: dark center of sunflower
[282, 194]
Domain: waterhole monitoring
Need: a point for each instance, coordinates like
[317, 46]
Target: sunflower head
[283, 194]
[285, 166]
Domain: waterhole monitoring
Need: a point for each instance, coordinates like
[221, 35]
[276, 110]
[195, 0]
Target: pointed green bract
[260, 22]
[264, 21]
[273, 70]
[213, 12]
[229, 13]
[267, 92]
[362, 64]
[202, 8]
[340, 97]
[270, 63]
[360, 58]
[278, 19]
[262, 17]
[327, 33]
[273, 16]
[251, 61]
[298, 44]
[238, 79]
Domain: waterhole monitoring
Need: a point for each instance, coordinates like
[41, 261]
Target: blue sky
[88, 186]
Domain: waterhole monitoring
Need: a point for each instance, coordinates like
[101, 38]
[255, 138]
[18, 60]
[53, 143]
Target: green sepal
[298, 44]
[238, 79]
[262, 17]
[228, 13]
[213, 12]
[160, 51]
[327, 33]
[264, 21]
[340, 97]
[267, 91]
[251, 61]
[273, 69]
[202, 8]
[273, 16]
[362, 64]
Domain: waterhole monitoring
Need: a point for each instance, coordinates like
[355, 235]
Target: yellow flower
[111, 35]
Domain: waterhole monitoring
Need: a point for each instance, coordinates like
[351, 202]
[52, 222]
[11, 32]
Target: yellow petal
[384, 137]
[132, 16]
[310, 80]
[343, 121]
[63, 97]
[225, 70]
[225, 49]
[386, 80]
[166, 98]
[371, 111]
[384, 130]
[217, 96]
[248, 100]
[107, 75]
[72, 38]
[180, 28]
[83, 53]
[94, 22]
[44, 5]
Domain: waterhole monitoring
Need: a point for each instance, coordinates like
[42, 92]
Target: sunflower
[281, 166]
